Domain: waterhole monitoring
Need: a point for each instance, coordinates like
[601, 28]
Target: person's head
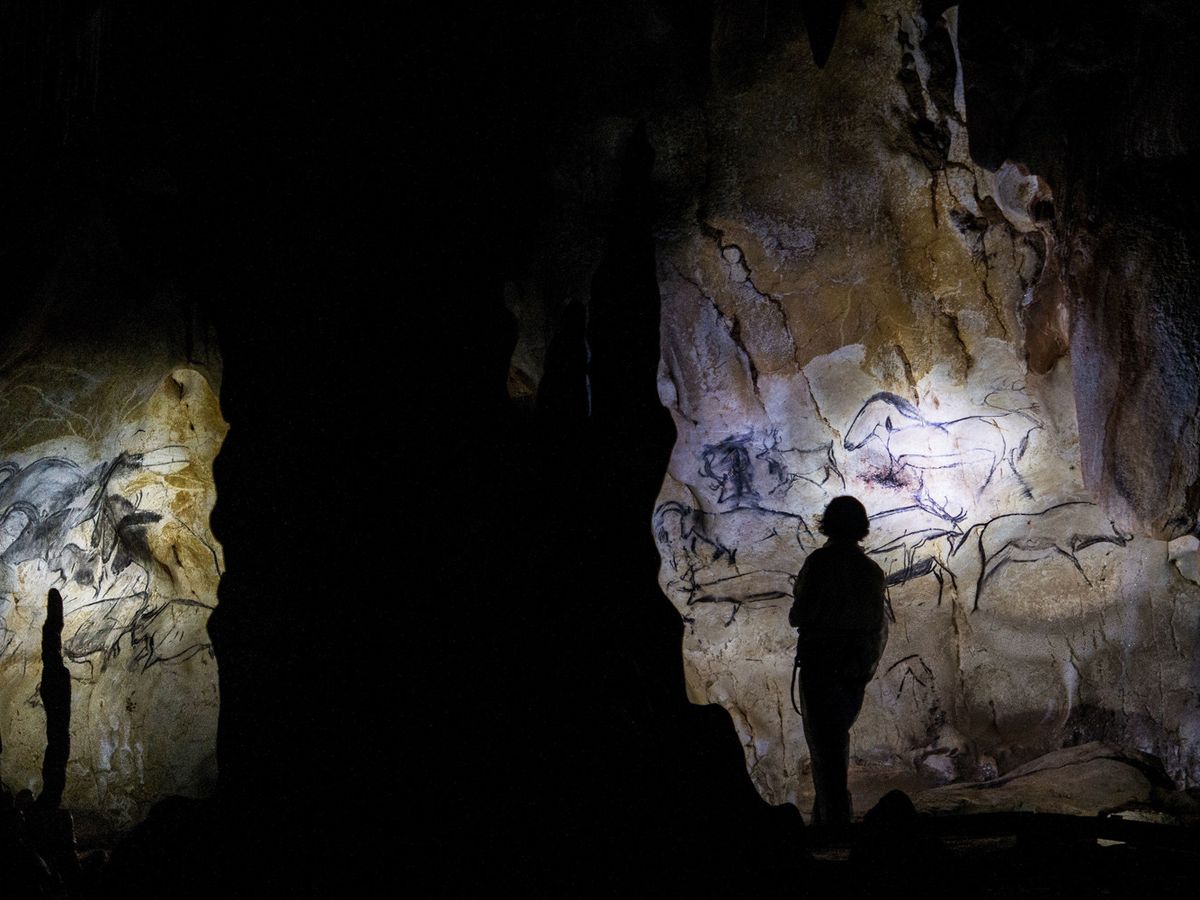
[845, 519]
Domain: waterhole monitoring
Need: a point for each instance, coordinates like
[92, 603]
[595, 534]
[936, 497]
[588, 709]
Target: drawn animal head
[882, 413]
[729, 468]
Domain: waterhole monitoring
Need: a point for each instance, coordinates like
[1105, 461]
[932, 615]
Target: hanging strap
[795, 678]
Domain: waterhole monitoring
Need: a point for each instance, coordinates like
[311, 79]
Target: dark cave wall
[239, 172]
[565, 537]
[301, 156]
[1096, 102]
[109, 371]
[1063, 122]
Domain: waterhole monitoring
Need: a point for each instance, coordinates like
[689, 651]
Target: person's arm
[879, 639]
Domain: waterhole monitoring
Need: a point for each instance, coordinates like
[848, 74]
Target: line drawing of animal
[729, 467]
[911, 441]
[42, 503]
[915, 540]
[702, 561]
[47, 505]
[698, 529]
[157, 632]
[1022, 407]
[794, 464]
[696, 595]
[1062, 529]
[695, 580]
[693, 531]
[909, 675]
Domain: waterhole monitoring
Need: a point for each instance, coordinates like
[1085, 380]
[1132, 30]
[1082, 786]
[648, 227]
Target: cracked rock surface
[851, 304]
[1087, 780]
[106, 452]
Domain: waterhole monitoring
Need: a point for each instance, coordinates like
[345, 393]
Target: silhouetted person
[55, 691]
[840, 614]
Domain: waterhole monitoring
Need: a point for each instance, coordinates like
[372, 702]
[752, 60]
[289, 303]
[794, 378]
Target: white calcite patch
[1184, 554]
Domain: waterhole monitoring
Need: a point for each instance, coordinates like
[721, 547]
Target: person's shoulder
[814, 563]
[817, 554]
[873, 567]
[864, 560]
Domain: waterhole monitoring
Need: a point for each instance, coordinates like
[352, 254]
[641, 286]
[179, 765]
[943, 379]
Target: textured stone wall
[106, 451]
[1096, 101]
[850, 304]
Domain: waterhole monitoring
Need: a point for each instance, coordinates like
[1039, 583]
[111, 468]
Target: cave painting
[93, 541]
[114, 517]
[908, 444]
[892, 355]
[753, 498]
[963, 515]
[1063, 529]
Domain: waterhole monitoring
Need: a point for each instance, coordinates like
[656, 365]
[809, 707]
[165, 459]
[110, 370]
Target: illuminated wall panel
[105, 492]
[851, 308]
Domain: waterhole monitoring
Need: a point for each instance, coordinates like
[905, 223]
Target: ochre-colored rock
[105, 491]
[850, 304]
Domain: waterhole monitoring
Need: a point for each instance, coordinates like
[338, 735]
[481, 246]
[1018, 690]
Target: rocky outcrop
[1094, 103]
[1088, 780]
[853, 303]
[106, 448]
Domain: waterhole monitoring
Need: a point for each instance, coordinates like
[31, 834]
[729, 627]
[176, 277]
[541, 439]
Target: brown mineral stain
[184, 479]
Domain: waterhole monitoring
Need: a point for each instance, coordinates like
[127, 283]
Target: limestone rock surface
[851, 304]
[106, 486]
[1079, 781]
[1094, 102]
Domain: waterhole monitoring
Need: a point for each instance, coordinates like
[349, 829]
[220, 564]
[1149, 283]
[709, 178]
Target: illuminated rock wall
[106, 486]
[853, 306]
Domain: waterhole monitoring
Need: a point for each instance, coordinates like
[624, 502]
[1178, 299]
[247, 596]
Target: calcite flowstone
[850, 305]
[105, 492]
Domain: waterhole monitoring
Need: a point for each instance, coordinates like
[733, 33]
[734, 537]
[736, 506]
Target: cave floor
[93, 831]
[867, 785]
[1006, 867]
[1003, 852]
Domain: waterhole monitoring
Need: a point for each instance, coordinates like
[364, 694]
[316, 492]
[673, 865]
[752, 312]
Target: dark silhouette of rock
[23, 871]
[55, 692]
[893, 847]
[174, 838]
[1086, 780]
[51, 832]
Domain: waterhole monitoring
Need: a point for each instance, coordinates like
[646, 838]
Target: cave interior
[513, 316]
